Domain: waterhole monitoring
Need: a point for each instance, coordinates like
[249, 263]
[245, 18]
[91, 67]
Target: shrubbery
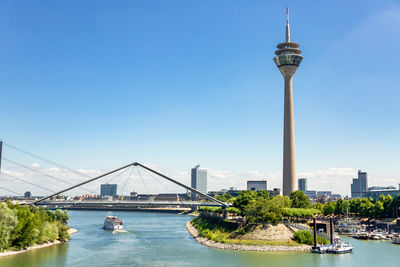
[218, 210]
[23, 226]
[300, 213]
[305, 237]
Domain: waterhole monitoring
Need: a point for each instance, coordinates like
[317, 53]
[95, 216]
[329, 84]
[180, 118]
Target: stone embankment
[209, 243]
[48, 244]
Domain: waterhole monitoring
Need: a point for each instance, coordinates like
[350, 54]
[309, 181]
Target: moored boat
[339, 247]
[113, 223]
[361, 235]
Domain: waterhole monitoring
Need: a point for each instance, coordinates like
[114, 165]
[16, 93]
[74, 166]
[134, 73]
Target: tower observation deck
[288, 59]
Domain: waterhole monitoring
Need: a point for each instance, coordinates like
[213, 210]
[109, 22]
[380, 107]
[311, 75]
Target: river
[158, 239]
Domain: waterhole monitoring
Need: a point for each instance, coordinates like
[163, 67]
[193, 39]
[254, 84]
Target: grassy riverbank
[6, 253]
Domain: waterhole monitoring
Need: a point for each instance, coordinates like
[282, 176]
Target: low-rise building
[260, 185]
[108, 190]
[324, 193]
[274, 192]
[311, 193]
[376, 191]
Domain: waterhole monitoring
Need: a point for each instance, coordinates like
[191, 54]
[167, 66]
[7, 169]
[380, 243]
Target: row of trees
[23, 226]
[385, 206]
[259, 206]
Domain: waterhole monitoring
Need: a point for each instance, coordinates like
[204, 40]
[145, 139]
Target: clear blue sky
[97, 84]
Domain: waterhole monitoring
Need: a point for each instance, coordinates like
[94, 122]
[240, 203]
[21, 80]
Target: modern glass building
[360, 185]
[199, 180]
[108, 190]
[302, 184]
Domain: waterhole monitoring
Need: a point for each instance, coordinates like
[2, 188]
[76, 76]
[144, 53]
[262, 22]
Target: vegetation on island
[24, 226]
[306, 237]
[256, 208]
[298, 205]
[261, 208]
[224, 232]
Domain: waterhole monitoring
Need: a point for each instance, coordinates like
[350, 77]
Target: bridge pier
[194, 207]
[223, 212]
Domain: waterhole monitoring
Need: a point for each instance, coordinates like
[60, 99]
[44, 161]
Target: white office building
[199, 180]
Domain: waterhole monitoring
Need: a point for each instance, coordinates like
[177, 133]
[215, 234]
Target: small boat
[396, 240]
[113, 223]
[375, 236]
[319, 249]
[361, 235]
[339, 247]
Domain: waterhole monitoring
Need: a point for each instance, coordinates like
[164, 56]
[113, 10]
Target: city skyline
[213, 97]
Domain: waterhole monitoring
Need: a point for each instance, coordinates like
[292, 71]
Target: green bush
[303, 237]
[306, 237]
[217, 210]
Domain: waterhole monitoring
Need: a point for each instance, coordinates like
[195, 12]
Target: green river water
[157, 239]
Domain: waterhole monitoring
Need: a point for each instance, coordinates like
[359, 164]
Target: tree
[341, 207]
[387, 206]
[263, 194]
[318, 206]
[7, 223]
[378, 209]
[265, 210]
[243, 199]
[299, 200]
[329, 208]
[224, 197]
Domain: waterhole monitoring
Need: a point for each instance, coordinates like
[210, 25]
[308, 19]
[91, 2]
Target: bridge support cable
[116, 176]
[182, 185]
[223, 204]
[126, 180]
[22, 180]
[42, 173]
[82, 183]
[155, 178]
[47, 160]
[1, 152]
[143, 182]
[18, 194]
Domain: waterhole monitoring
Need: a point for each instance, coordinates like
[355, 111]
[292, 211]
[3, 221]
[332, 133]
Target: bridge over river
[125, 205]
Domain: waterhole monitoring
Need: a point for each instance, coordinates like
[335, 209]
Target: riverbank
[268, 248]
[71, 231]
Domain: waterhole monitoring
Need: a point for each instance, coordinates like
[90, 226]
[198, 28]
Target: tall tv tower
[288, 59]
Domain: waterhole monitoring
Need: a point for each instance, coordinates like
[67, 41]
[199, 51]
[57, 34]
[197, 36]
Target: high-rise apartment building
[199, 180]
[257, 185]
[359, 187]
[108, 190]
[302, 184]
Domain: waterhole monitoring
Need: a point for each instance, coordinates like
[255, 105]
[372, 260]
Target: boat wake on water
[121, 231]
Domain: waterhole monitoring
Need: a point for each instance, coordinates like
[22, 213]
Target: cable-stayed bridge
[51, 201]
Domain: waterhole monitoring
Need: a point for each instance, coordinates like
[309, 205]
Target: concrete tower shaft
[288, 59]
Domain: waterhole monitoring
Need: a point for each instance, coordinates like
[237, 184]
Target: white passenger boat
[339, 247]
[113, 223]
